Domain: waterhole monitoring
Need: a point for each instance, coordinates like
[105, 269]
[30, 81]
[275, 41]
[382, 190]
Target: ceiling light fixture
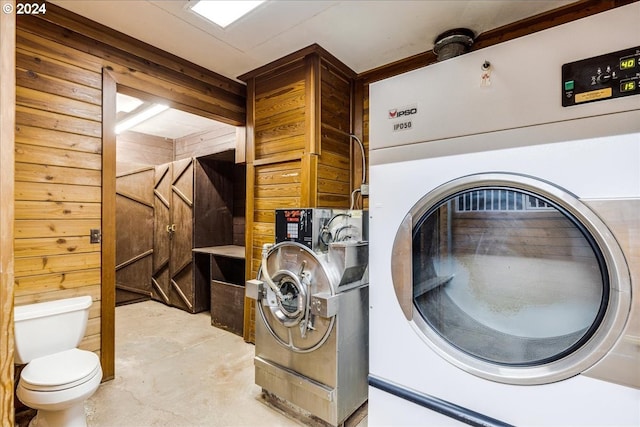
[223, 13]
[143, 115]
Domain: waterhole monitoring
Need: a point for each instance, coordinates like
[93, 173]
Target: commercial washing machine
[311, 348]
[505, 233]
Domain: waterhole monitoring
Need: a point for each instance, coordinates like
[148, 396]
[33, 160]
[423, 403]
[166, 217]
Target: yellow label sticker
[593, 95]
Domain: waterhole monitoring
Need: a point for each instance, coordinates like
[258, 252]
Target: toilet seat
[60, 371]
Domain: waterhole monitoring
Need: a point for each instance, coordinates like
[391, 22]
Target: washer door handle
[401, 266]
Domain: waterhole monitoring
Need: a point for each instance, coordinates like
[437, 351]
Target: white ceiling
[363, 34]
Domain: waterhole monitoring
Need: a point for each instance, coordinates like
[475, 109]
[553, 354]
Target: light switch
[94, 235]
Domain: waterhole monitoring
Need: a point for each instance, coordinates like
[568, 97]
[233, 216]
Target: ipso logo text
[397, 113]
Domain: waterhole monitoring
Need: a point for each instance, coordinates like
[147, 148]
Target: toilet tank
[49, 327]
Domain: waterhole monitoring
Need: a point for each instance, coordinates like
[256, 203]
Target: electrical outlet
[364, 189]
[95, 236]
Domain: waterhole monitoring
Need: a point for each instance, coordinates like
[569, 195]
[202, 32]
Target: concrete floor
[175, 369]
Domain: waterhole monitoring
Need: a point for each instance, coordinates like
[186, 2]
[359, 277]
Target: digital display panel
[600, 78]
[628, 86]
[627, 63]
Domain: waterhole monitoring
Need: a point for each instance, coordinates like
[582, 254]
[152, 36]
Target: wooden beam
[225, 98]
[112, 41]
[108, 275]
[7, 126]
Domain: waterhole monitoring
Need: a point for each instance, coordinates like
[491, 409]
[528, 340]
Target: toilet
[58, 377]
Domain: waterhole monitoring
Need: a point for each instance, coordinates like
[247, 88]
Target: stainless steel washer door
[511, 278]
[298, 273]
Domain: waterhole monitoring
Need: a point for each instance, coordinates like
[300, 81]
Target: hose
[265, 271]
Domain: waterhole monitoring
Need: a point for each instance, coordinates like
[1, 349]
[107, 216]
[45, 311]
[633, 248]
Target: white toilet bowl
[58, 377]
[58, 385]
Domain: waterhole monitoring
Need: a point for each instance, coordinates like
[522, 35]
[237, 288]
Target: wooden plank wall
[143, 149]
[134, 147]
[61, 151]
[7, 124]
[239, 204]
[334, 166]
[58, 175]
[216, 140]
[298, 145]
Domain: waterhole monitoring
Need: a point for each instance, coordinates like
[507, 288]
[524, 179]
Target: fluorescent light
[143, 115]
[126, 103]
[224, 13]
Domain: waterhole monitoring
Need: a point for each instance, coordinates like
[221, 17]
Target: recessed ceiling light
[224, 13]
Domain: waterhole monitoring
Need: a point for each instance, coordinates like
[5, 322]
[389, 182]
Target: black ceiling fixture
[453, 43]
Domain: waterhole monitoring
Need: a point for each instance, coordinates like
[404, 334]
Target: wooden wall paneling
[120, 43]
[58, 162]
[292, 161]
[53, 138]
[225, 99]
[7, 124]
[280, 127]
[57, 263]
[212, 141]
[143, 149]
[239, 204]
[30, 39]
[26, 116]
[65, 115]
[179, 96]
[334, 165]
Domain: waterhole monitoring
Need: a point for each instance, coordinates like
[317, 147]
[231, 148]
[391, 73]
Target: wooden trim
[533, 24]
[545, 20]
[297, 56]
[241, 144]
[248, 245]
[250, 154]
[7, 172]
[108, 288]
[224, 99]
[358, 130]
[116, 43]
[309, 181]
[279, 158]
[313, 144]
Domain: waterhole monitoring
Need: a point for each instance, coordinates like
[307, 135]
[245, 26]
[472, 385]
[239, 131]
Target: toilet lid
[60, 371]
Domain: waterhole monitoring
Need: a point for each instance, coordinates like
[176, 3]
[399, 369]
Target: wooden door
[134, 233]
[161, 277]
[181, 260]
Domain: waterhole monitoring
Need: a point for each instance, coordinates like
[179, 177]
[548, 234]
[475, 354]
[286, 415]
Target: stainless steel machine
[312, 312]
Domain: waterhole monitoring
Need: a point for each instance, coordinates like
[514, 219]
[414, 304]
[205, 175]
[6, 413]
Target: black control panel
[301, 225]
[608, 76]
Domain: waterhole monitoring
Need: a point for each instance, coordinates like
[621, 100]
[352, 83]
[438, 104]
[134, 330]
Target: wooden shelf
[231, 251]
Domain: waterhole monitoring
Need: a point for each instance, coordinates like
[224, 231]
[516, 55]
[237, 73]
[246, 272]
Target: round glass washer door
[511, 278]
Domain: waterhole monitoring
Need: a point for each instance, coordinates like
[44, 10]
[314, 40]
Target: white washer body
[516, 125]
